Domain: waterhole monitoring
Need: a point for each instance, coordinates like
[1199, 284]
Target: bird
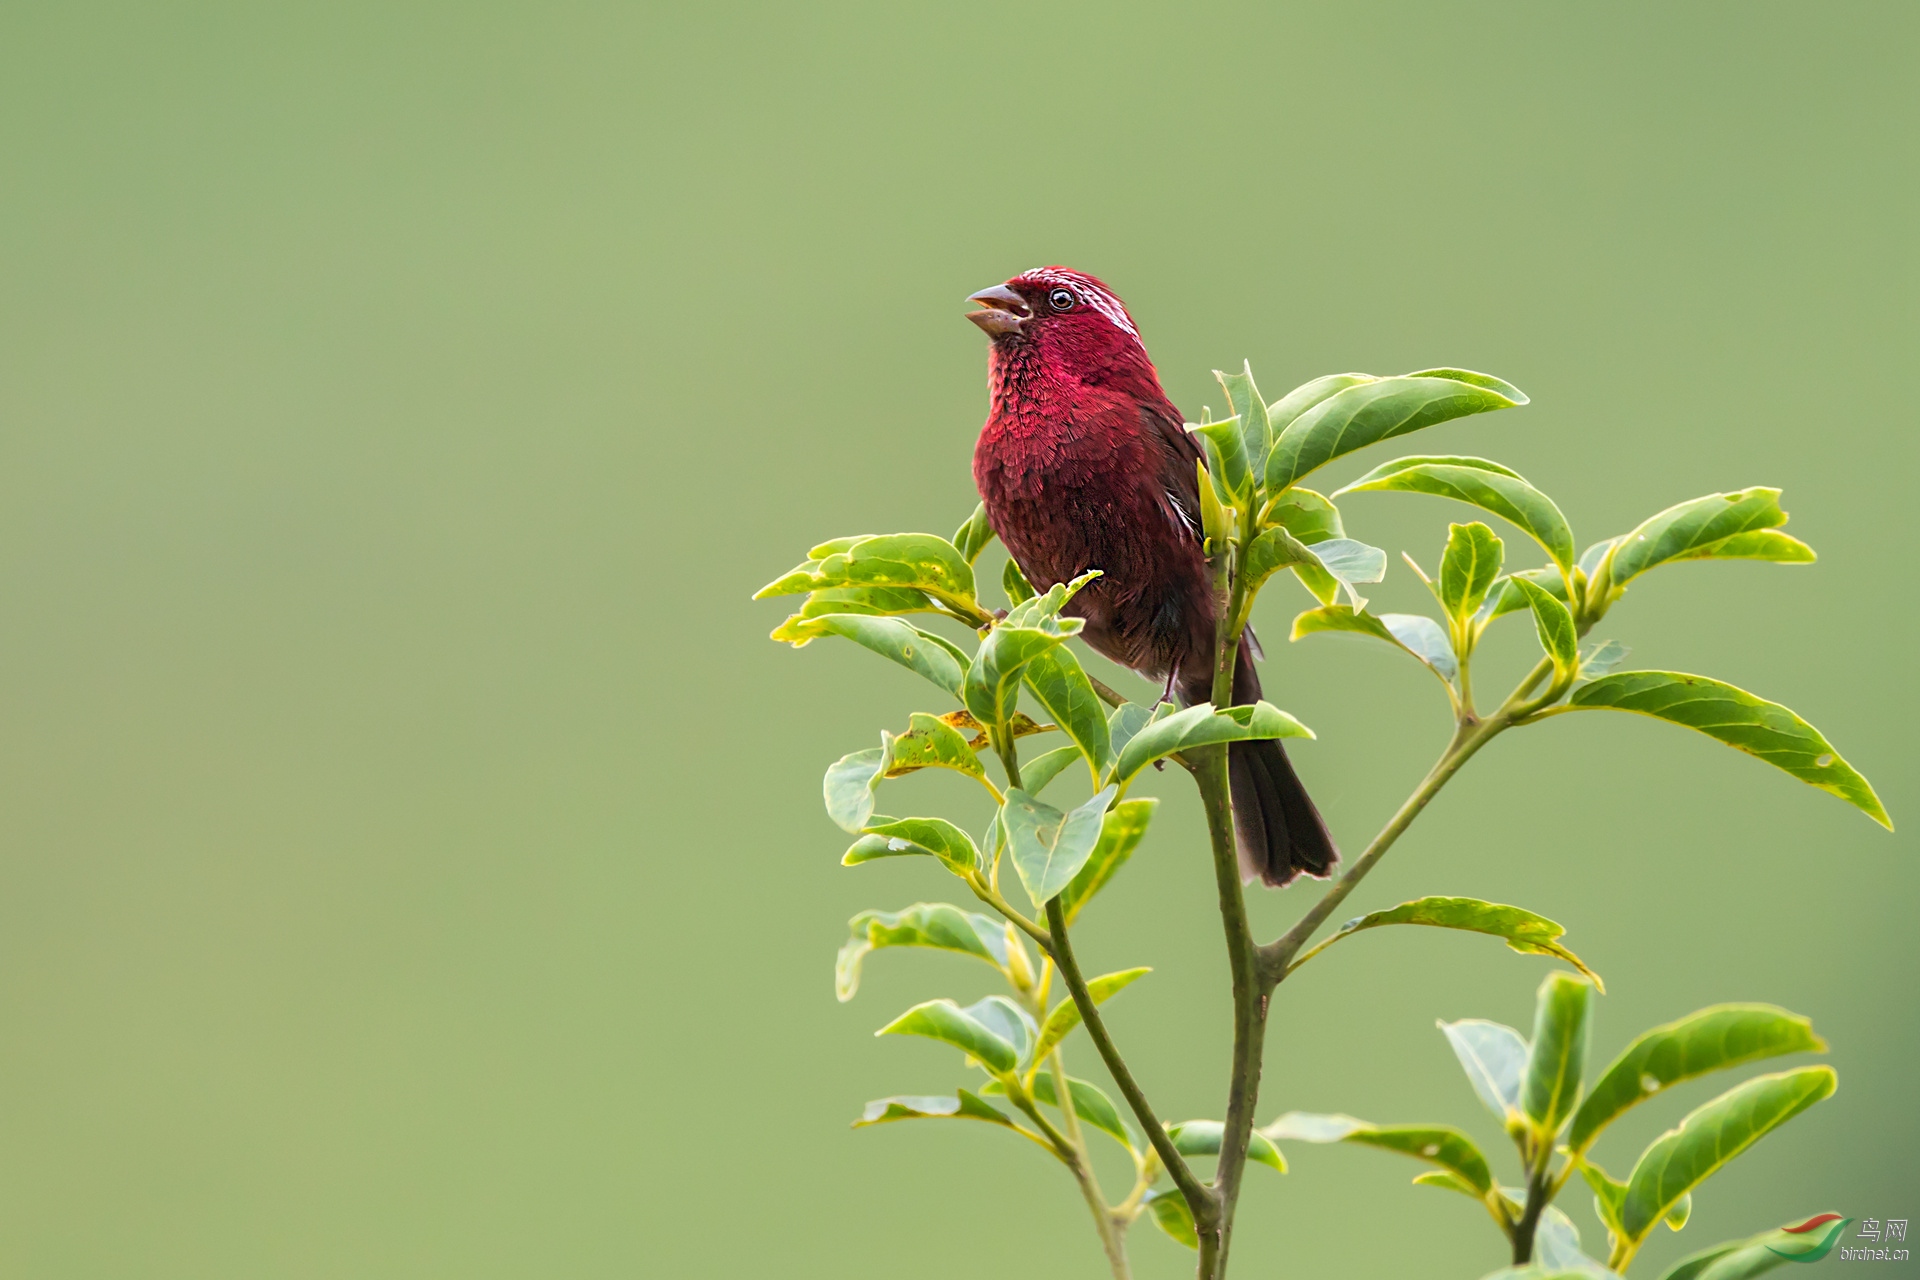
[1084, 463]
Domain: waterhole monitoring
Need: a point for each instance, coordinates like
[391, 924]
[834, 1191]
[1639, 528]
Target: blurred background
[411, 854]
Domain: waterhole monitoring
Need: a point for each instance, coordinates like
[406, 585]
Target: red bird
[1085, 464]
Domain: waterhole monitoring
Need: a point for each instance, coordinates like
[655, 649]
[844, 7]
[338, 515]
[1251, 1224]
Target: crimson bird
[1085, 464]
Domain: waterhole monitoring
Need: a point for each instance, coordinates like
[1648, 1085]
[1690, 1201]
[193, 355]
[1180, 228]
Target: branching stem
[1231, 603]
[1277, 956]
[1256, 970]
[1199, 1199]
[1082, 1166]
[1537, 1198]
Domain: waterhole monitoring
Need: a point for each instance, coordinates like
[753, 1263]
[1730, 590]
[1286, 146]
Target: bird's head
[1068, 319]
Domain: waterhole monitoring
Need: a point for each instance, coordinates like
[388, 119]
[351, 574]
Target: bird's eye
[1061, 299]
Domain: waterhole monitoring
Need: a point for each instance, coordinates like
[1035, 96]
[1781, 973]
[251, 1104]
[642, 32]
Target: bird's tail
[1280, 833]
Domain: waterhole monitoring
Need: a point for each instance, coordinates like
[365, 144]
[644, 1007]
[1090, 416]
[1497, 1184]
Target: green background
[411, 855]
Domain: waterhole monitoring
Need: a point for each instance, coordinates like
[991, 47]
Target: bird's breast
[1069, 495]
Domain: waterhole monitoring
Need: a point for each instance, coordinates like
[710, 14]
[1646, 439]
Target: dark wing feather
[1178, 453]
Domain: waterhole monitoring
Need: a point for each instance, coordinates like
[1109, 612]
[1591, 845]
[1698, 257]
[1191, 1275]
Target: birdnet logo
[1880, 1237]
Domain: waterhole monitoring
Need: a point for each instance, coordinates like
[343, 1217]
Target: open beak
[1002, 311]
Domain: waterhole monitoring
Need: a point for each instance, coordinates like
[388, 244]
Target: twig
[1199, 1199]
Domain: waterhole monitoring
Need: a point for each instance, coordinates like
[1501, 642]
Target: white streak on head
[1086, 291]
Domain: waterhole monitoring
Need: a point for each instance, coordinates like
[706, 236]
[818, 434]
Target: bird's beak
[1002, 311]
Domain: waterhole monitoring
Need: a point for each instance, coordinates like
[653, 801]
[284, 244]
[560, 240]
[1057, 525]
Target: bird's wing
[1178, 452]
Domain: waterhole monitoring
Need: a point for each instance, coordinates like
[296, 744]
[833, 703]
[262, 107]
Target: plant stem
[1249, 1010]
[1073, 1154]
[1469, 736]
[1537, 1198]
[989, 895]
[1082, 1166]
[1199, 1199]
[1212, 1255]
[1209, 768]
[1009, 753]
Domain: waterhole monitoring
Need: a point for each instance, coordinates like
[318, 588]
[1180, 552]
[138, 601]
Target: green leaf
[1420, 637]
[833, 545]
[1201, 726]
[893, 638]
[1203, 1138]
[877, 601]
[1015, 584]
[849, 787]
[1089, 1103]
[1609, 1193]
[947, 1022]
[1556, 1247]
[1739, 719]
[1505, 597]
[937, 925]
[793, 582]
[1274, 550]
[1681, 1159]
[1494, 1057]
[1760, 544]
[1008, 1021]
[1306, 515]
[1042, 613]
[806, 575]
[1467, 569]
[1065, 1016]
[915, 561]
[1327, 568]
[902, 837]
[1036, 773]
[1601, 658]
[972, 537]
[1554, 624]
[1713, 1039]
[965, 1106]
[929, 742]
[992, 687]
[1256, 431]
[1691, 529]
[1127, 719]
[1374, 411]
[1756, 1255]
[1438, 1144]
[1214, 520]
[1227, 464]
[1338, 617]
[921, 560]
[1171, 1215]
[1311, 520]
[1524, 931]
[1282, 412]
[1349, 564]
[1483, 484]
[1049, 847]
[1120, 834]
[1062, 688]
[1559, 1056]
[1446, 1181]
[1426, 640]
[1589, 562]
